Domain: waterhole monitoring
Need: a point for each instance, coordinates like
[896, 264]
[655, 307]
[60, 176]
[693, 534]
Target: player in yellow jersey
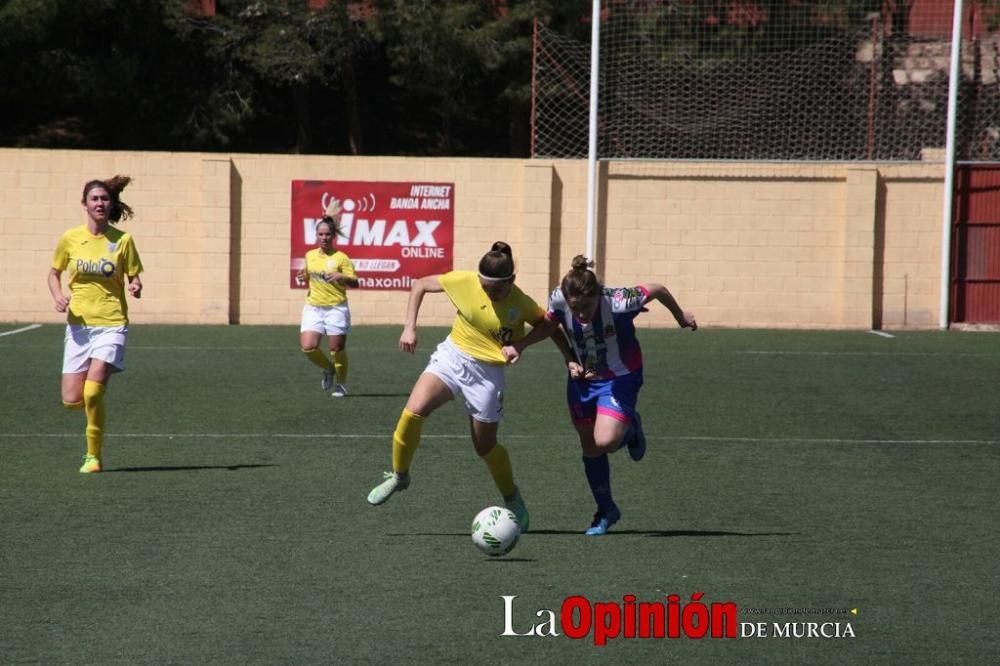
[492, 312]
[328, 272]
[103, 264]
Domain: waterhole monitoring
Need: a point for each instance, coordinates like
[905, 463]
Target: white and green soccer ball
[495, 530]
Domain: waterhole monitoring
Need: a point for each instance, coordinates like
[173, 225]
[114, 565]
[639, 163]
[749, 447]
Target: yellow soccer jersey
[318, 264]
[98, 268]
[482, 326]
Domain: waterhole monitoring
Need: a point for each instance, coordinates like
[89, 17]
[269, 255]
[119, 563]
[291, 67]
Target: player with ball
[468, 366]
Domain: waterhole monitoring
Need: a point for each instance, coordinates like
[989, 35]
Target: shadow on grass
[671, 533]
[647, 533]
[183, 468]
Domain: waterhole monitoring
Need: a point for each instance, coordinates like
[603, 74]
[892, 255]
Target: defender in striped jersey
[604, 364]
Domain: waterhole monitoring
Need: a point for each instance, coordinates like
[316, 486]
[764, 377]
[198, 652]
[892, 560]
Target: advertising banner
[393, 232]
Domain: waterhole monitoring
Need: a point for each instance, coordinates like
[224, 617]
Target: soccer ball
[495, 530]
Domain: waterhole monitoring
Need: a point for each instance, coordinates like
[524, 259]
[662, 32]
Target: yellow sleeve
[130, 257]
[450, 280]
[60, 258]
[530, 313]
[347, 267]
[534, 313]
[457, 286]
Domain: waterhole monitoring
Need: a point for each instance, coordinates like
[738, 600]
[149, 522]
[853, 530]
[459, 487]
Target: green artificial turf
[796, 474]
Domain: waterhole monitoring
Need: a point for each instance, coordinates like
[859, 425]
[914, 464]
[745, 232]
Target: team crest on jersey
[112, 246]
[609, 331]
[624, 294]
[331, 264]
[512, 314]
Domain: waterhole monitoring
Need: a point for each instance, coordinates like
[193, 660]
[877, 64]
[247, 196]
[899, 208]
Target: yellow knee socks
[405, 441]
[499, 464]
[318, 357]
[93, 402]
[340, 365]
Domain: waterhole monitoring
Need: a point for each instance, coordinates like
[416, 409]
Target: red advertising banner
[393, 232]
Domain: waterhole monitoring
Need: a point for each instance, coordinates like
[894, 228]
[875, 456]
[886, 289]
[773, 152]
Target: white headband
[496, 279]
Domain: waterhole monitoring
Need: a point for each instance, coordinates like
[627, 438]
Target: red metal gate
[975, 261]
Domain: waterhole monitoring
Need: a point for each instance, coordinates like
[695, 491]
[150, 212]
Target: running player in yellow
[328, 272]
[103, 264]
[492, 312]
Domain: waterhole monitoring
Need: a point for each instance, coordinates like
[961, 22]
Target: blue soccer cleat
[603, 521]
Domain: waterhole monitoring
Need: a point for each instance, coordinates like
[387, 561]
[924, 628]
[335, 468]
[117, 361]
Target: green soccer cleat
[91, 465]
[516, 504]
[393, 482]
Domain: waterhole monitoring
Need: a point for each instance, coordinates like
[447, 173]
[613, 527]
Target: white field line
[882, 334]
[21, 330]
[388, 435]
[645, 352]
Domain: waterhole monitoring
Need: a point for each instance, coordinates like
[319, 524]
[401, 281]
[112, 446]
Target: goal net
[760, 80]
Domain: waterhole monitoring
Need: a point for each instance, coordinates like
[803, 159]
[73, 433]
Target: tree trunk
[351, 109]
[303, 119]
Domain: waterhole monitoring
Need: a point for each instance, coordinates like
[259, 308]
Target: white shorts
[480, 384]
[329, 319]
[105, 343]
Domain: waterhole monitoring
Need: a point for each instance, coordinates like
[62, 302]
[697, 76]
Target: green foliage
[266, 75]
[459, 61]
[991, 13]
[283, 43]
[702, 33]
[415, 77]
[25, 21]
[89, 74]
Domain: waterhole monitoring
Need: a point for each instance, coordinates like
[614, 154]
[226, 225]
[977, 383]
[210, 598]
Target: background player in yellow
[328, 272]
[103, 264]
[492, 312]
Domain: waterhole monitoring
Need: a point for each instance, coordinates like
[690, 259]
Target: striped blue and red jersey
[607, 345]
